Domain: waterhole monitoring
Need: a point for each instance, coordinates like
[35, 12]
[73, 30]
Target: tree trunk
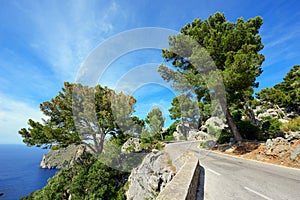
[233, 127]
[230, 121]
[250, 113]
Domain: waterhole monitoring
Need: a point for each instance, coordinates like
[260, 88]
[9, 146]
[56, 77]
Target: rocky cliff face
[147, 180]
[62, 158]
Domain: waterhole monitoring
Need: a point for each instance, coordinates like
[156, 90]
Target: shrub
[236, 115]
[87, 179]
[169, 138]
[224, 137]
[170, 130]
[182, 137]
[292, 125]
[248, 130]
[271, 125]
[158, 146]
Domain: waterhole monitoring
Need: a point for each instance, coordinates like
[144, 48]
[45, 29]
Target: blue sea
[20, 173]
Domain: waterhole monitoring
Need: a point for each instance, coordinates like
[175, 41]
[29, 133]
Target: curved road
[226, 177]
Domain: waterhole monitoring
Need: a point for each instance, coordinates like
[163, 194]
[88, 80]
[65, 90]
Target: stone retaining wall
[185, 183]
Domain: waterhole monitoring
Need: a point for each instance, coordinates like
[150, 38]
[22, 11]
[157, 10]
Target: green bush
[169, 138]
[158, 146]
[170, 130]
[182, 138]
[236, 115]
[270, 125]
[87, 179]
[248, 130]
[224, 137]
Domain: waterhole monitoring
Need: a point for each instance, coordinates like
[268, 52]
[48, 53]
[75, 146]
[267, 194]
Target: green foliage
[203, 144]
[182, 137]
[186, 110]
[80, 114]
[169, 138]
[236, 115]
[148, 143]
[292, 125]
[270, 125]
[170, 130]
[158, 146]
[156, 121]
[87, 179]
[234, 48]
[248, 130]
[120, 139]
[225, 137]
[285, 94]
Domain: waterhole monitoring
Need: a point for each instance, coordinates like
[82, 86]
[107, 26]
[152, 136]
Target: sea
[20, 173]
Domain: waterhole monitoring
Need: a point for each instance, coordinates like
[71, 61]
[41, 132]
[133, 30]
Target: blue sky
[44, 43]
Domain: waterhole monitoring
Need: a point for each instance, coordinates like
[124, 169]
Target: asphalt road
[226, 177]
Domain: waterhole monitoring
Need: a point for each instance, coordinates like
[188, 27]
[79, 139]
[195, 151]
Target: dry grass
[292, 125]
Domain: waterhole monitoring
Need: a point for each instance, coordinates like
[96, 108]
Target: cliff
[147, 180]
[62, 158]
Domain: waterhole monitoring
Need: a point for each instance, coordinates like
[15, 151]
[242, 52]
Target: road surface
[226, 177]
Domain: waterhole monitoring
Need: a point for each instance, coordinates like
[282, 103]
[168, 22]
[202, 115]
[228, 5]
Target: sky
[45, 43]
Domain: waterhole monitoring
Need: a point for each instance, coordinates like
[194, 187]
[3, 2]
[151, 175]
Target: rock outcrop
[147, 180]
[62, 158]
[213, 124]
[285, 147]
[131, 145]
[206, 132]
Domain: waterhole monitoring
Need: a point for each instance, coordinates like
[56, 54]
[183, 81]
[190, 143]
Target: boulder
[147, 180]
[177, 135]
[292, 135]
[192, 135]
[183, 129]
[295, 154]
[214, 124]
[131, 145]
[198, 135]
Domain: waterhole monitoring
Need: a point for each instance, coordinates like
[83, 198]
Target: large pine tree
[234, 48]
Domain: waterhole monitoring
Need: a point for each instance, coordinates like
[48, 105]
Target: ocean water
[20, 173]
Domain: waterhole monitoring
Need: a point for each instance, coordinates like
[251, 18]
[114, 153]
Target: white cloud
[64, 32]
[14, 115]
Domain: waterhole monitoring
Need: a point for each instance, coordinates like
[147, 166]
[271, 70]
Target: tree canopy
[234, 48]
[87, 179]
[285, 94]
[155, 120]
[80, 114]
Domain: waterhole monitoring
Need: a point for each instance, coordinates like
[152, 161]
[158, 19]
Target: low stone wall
[185, 183]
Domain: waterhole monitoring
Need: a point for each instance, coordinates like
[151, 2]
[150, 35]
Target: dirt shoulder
[276, 152]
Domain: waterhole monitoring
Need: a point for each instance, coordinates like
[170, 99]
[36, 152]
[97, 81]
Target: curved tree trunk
[230, 121]
[233, 127]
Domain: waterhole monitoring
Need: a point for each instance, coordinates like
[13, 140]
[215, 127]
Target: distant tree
[156, 121]
[285, 94]
[80, 114]
[233, 46]
[184, 110]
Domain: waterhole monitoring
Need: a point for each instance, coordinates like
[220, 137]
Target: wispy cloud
[64, 32]
[14, 116]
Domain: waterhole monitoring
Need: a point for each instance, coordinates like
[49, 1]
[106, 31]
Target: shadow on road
[200, 190]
